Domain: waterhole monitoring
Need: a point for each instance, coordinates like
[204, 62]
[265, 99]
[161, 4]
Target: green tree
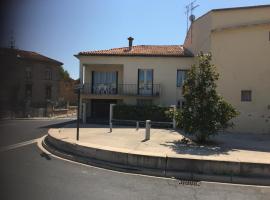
[64, 75]
[205, 112]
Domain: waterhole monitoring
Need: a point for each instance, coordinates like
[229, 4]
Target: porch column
[83, 74]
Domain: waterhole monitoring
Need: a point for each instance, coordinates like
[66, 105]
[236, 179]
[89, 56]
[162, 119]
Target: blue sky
[61, 28]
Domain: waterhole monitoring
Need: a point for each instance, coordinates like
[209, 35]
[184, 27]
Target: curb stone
[186, 169]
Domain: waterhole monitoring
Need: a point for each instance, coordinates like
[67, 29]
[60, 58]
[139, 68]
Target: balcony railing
[122, 89]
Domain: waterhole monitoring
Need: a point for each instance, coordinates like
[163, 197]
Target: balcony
[145, 90]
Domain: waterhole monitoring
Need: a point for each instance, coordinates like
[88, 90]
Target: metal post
[147, 129]
[78, 113]
[137, 125]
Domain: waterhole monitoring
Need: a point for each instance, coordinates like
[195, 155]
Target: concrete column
[84, 112]
[137, 126]
[83, 74]
[174, 121]
[147, 129]
[111, 112]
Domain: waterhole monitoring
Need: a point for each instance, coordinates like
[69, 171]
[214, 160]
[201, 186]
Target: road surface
[27, 173]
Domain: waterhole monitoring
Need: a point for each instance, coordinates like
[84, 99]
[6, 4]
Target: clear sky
[61, 28]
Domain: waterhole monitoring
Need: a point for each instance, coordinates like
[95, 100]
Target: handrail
[122, 89]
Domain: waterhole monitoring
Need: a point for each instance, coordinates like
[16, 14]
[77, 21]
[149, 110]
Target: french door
[145, 81]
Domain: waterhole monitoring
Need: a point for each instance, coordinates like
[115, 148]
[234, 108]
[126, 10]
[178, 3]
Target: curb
[181, 168]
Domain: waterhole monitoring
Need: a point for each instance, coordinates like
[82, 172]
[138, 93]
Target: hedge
[141, 113]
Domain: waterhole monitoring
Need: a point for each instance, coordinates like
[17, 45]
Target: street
[28, 173]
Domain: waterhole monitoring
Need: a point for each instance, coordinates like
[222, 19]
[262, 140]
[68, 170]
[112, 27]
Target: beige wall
[242, 58]
[164, 72]
[229, 18]
[241, 49]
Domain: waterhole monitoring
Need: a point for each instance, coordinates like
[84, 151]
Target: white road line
[18, 145]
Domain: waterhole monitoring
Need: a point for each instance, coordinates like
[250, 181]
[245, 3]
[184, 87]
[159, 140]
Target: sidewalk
[231, 154]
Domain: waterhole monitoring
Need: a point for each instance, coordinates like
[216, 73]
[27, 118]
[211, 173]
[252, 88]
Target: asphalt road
[28, 173]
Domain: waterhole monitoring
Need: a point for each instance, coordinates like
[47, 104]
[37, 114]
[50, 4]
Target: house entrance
[101, 108]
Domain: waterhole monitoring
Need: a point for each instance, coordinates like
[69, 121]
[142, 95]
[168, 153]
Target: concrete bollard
[137, 125]
[147, 129]
[110, 126]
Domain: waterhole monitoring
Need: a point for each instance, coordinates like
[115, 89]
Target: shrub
[141, 113]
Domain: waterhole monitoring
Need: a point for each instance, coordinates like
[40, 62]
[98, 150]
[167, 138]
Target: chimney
[130, 40]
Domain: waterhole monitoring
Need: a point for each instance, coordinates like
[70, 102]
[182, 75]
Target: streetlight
[77, 90]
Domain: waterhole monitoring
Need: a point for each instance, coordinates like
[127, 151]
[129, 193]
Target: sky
[60, 29]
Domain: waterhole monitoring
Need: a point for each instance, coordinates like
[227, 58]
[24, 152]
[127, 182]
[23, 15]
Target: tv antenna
[12, 40]
[189, 12]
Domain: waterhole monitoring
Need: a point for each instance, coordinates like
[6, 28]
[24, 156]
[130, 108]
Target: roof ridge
[142, 50]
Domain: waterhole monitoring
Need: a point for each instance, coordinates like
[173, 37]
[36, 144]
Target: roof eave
[133, 55]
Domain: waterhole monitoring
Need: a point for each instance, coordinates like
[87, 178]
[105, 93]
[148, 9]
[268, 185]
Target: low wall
[224, 171]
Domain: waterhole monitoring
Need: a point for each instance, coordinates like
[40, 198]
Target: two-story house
[239, 40]
[28, 80]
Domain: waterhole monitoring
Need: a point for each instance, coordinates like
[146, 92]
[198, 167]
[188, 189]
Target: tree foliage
[64, 75]
[205, 112]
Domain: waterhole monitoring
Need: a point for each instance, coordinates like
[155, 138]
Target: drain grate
[189, 182]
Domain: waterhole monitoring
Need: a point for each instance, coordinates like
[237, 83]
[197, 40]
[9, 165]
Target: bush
[141, 113]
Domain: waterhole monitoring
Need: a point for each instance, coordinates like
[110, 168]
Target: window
[28, 73]
[48, 92]
[246, 95]
[104, 82]
[28, 90]
[48, 74]
[144, 102]
[181, 77]
[145, 81]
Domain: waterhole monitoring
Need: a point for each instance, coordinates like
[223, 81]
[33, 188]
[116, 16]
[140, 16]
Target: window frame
[246, 98]
[180, 85]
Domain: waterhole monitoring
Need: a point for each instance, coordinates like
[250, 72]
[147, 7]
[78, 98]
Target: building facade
[239, 40]
[28, 80]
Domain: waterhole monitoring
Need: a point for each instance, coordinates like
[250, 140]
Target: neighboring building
[28, 80]
[66, 91]
[239, 40]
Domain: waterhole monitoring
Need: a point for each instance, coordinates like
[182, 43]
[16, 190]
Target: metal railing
[122, 89]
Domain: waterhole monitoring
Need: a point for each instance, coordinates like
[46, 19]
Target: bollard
[147, 129]
[174, 121]
[110, 126]
[137, 125]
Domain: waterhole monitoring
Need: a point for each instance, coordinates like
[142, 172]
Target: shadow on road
[59, 125]
[46, 156]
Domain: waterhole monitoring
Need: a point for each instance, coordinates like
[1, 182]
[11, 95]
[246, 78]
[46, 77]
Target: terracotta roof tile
[22, 54]
[143, 50]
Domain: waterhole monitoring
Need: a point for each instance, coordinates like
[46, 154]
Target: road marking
[18, 145]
